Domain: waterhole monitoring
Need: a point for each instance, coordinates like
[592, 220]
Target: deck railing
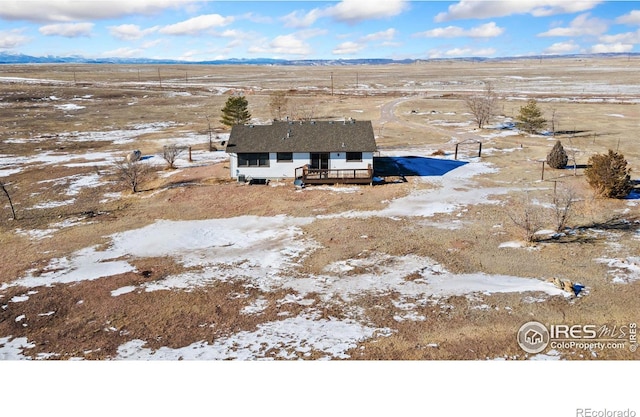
[314, 175]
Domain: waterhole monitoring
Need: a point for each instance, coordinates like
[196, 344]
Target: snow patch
[11, 349]
[623, 270]
[285, 339]
[247, 245]
[69, 107]
[123, 290]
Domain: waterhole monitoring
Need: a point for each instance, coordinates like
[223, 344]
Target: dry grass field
[197, 266]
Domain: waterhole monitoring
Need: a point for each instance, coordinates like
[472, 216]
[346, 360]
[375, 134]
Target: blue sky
[397, 29]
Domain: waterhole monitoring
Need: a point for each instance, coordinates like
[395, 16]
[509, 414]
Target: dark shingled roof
[314, 136]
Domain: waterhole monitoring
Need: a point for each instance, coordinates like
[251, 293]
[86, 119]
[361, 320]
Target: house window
[253, 159]
[354, 156]
[285, 156]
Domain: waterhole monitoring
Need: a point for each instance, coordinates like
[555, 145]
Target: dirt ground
[414, 108]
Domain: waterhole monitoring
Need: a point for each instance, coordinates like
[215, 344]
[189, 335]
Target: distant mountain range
[9, 58]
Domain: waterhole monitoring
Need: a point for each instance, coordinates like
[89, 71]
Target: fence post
[190, 160]
[456, 155]
[479, 149]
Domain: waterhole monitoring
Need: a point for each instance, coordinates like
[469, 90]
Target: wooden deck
[335, 176]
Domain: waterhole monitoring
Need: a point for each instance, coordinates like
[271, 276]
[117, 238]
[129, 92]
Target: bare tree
[553, 121]
[131, 173]
[482, 106]
[13, 211]
[573, 151]
[527, 217]
[210, 134]
[278, 101]
[562, 205]
[170, 154]
[304, 109]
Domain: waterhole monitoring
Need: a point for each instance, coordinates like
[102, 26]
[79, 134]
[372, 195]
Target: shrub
[527, 217]
[608, 175]
[170, 153]
[562, 207]
[131, 173]
[557, 158]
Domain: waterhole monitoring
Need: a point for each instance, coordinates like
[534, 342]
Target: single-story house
[315, 152]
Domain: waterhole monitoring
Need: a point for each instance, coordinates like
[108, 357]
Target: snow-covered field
[266, 253]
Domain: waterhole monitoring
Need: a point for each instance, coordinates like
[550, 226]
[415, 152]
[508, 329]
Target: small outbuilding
[314, 152]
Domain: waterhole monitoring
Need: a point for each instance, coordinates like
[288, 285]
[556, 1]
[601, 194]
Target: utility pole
[332, 83]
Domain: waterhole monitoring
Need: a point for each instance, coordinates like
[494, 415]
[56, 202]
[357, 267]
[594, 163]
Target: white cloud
[628, 37]
[10, 39]
[447, 32]
[474, 9]
[582, 25]
[69, 10]
[347, 48]
[68, 30]
[354, 11]
[470, 52]
[299, 19]
[236, 39]
[282, 45]
[233, 44]
[196, 25]
[631, 18]
[351, 47]
[560, 48]
[488, 30]
[130, 32]
[236, 34]
[461, 52]
[385, 35]
[350, 11]
[189, 55]
[152, 44]
[290, 44]
[613, 47]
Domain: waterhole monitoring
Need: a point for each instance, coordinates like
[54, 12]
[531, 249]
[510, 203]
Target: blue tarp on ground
[386, 166]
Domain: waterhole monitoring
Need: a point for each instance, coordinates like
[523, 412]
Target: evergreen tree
[530, 118]
[557, 158]
[608, 175]
[235, 111]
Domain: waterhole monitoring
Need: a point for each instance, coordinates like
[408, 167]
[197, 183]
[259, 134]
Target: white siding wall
[338, 160]
[284, 170]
